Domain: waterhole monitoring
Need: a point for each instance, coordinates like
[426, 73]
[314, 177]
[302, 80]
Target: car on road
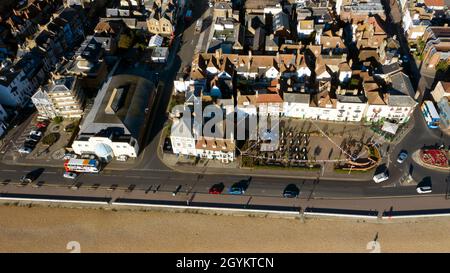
[291, 191]
[217, 188]
[424, 189]
[402, 156]
[70, 175]
[380, 177]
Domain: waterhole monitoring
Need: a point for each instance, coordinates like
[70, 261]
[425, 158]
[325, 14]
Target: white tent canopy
[390, 127]
[155, 41]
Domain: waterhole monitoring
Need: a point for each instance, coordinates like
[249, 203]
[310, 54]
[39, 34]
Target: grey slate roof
[297, 97]
[401, 85]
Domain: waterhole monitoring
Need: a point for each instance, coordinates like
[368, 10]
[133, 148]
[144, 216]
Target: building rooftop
[132, 104]
[401, 85]
[297, 97]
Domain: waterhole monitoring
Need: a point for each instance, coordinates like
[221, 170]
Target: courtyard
[308, 144]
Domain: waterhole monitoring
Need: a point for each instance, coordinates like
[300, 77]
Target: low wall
[105, 202]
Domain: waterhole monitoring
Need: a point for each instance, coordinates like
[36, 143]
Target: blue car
[237, 188]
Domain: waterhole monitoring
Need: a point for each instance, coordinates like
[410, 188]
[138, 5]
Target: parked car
[31, 140]
[402, 156]
[31, 176]
[88, 156]
[405, 58]
[380, 177]
[424, 189]
[291, 191]
[239, 187]
[122, 158]
[25, 150]
[42, 124]
[167, 144]
[217, 188]
[70, 175]
[30, 143]
[69, 156]
[70, 127]
[198, 25]
[36, 133]
[424, 186]
[236, 189]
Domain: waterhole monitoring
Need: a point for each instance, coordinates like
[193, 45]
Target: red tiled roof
[269, 98]
[446, 86]
[434, 3]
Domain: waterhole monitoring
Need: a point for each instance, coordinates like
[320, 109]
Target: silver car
[402, 157]
[424, 189]
[25, 150]
[70, 175]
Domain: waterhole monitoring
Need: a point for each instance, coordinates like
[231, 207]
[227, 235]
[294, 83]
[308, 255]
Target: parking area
[40, 139]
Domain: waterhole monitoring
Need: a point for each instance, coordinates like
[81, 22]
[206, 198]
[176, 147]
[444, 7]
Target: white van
[198, 26]
[378, 178]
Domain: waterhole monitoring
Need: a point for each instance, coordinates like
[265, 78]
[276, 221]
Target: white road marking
[9, 171]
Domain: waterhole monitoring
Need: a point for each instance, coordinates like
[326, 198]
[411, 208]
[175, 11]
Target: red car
[217, 188]
[42, 124]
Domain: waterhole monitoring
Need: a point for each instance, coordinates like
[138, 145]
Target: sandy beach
[42, 229]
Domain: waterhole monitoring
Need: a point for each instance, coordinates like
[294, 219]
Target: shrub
[58, 119]
[50, 139]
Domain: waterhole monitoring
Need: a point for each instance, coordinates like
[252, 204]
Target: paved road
[259, 186]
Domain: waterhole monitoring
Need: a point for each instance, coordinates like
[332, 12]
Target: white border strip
[205, 208]
[52, 200]
[223, 209]
[416, 216]
[339, 215]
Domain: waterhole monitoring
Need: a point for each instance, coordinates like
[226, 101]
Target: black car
[167, 144]
[34, 137]
[291, 191]
[31, 176]
[29, 144]
[31, 140]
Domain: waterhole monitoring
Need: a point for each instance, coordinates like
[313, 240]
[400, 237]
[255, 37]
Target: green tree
[58, 119]
[442, 66]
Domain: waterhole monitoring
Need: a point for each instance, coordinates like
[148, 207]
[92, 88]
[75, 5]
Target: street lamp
[447, 194]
